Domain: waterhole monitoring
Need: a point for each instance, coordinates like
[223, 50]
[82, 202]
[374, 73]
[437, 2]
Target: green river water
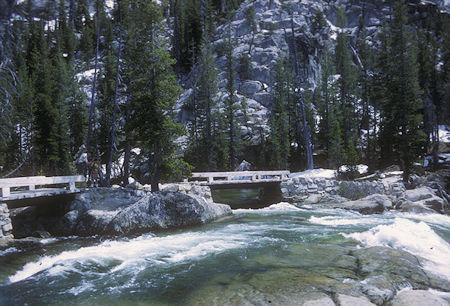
[272, 255]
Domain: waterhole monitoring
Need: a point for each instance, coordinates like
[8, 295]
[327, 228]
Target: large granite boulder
[123, 211]
[165, 210]
[421, 200]
[419, 194]
[413, 207]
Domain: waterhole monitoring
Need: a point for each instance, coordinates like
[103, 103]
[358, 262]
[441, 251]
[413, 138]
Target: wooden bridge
[23, 188]
[239, 178]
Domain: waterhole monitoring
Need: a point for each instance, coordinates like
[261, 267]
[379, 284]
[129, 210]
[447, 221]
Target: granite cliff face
[273, 38]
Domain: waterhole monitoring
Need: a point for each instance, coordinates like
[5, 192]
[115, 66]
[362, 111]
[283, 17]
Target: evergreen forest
[155, 89]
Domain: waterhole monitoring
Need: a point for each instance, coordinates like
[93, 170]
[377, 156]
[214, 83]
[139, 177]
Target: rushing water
[226, 261]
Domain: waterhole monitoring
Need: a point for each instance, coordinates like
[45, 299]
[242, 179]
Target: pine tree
[231, 103]
[368, 117]
[429, 83]
[205, 111]
[279, 138]
[45, 112]
[347, 90]
[250, 20]
[402, 113]
[336, 149]
[325, 97]
[153, 91]
[443, 107]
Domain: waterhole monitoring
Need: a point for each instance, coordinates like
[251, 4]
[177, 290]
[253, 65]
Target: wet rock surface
[372, 204]
[367, 276]
[418, 298]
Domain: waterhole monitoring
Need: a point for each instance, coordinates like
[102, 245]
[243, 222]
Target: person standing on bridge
[94, 171]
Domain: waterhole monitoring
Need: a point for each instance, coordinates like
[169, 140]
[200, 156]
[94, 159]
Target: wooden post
[5, 192]
[72, 186]
[32, 187]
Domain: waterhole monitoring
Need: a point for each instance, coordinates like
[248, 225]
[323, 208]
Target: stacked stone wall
[5, 222]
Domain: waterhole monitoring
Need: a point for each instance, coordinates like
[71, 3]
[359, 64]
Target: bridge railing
[32, 181]
[255, 176]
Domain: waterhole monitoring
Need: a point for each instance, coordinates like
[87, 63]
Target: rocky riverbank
[368, 197]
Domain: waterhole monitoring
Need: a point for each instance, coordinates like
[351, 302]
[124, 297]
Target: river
[265, 255]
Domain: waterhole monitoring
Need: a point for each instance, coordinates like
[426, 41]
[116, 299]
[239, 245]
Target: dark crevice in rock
[333, 295]
[358, 269]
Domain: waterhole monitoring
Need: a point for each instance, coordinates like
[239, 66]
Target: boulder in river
[421, 200]
[373, 204]
[419, 194]
[347, 300]
[418, 298]
[124, 212]
[165, 210]
[413, 207]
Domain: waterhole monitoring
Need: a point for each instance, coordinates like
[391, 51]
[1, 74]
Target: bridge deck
[239, 177]
[38, 193]
[34, 184]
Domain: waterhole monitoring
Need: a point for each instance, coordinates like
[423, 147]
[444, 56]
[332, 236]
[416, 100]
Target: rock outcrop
[373, 204]
[125, 212]
[418, 298]
[421, 200]
[165, 210]
[271, 38]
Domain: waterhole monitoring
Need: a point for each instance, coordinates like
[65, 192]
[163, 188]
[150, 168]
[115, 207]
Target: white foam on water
[9, 250]
[276, 208]
[48, 240]
[85, 286]
[414, 237]
[147, 250]
[339, 221]
[439, 220]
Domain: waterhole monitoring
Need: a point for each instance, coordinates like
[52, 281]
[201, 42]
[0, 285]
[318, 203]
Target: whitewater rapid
[132, 260]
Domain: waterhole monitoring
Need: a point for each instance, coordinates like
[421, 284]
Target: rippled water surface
[251, 252]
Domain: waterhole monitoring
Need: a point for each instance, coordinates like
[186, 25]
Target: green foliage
[279, 141]
[153, 89]
[245, 67]
[175, 169]
[401, 113]
[319, 21]
[203, 149]
[325, 97]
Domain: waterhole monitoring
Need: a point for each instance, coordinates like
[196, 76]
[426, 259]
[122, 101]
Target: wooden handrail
[32, 181]
[236, 176]
[239, 173]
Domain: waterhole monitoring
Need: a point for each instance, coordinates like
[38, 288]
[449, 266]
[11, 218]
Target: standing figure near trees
[94, 171]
